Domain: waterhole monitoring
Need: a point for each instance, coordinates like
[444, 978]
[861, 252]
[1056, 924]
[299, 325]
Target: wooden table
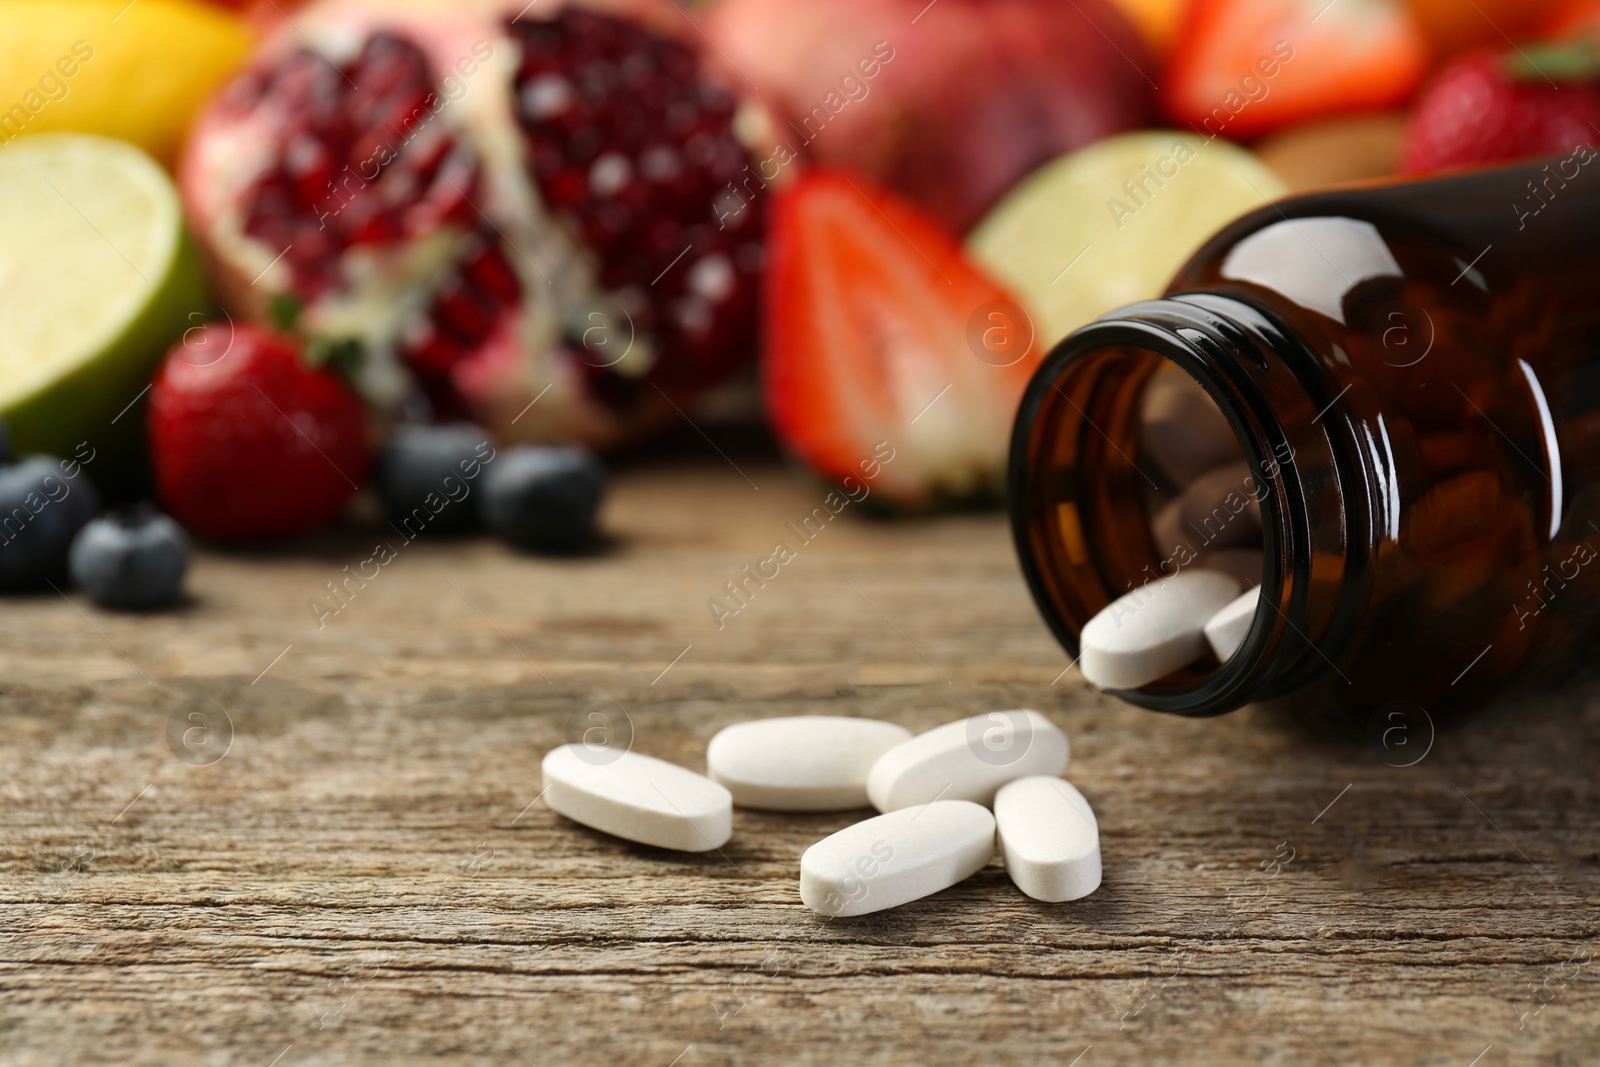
[365, 874]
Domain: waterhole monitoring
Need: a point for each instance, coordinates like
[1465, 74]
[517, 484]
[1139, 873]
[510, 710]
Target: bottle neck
[1077, 494]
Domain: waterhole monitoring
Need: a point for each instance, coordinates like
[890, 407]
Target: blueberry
[544, 499]
[41, 508]
[131, 560]
[425, 474]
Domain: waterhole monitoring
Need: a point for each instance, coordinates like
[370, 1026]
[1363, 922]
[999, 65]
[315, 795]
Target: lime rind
[99, 279]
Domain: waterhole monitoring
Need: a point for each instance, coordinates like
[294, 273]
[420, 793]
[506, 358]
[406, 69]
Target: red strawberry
[1248, 66]
[248, 442]
[890, 360]
[1488, 107]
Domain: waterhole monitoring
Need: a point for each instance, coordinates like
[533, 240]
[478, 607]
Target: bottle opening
[1140, 455]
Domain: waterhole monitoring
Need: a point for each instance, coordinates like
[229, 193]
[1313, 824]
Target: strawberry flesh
[869, 345]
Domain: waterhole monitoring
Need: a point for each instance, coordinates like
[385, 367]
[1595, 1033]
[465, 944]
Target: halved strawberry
[1248, 66]
[890, 360]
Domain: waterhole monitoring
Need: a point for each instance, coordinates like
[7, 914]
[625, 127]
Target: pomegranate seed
[246, 91]
[463, 311]
[608, 174]
[637, 162]
[678, 63]
[585, 143]
[566, 189]
[659, 163]
[712, 278]
[664, 237]
[751, 258]
[545, 96]
[309, 167]
[486, 267]
[305, 79]
[385, 64]
[425, 347]
[359, 166]
[606, 225]
[539, 39]
[427, 153]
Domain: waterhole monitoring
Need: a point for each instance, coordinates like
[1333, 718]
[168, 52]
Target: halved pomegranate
[488, 208]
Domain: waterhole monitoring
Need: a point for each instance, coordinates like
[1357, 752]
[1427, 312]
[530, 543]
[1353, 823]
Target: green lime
[1111, 224]
[97, 280]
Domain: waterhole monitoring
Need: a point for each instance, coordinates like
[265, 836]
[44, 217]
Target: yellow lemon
[134, 71]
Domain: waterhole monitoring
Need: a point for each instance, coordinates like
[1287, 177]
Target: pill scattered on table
[1152, 631]
[935, 831]
[800, 762]
[967, 759]
[1227, 629]
[638, 797]
[1049, 837]
[896, 858]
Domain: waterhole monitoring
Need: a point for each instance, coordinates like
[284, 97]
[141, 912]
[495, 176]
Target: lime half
[97, 280]
[1111, 224]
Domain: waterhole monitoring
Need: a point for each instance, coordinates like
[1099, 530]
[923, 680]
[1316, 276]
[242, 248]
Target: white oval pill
[1227, 629]
[1049, 837]
[800, 762]
[895, 858]
[1154, 630]
[638, 797]
[967, 760]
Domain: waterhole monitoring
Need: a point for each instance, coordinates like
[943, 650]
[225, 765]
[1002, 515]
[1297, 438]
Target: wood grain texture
[365, 877]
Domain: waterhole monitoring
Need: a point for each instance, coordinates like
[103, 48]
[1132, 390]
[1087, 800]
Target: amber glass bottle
[1413, 371]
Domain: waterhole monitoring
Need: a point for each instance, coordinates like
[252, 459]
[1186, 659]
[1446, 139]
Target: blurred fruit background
[254, 256]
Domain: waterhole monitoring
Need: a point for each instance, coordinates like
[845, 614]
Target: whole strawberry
[248, 441]
[1487, 108]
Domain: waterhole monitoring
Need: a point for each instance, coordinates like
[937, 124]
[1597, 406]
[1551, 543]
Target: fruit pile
[453, 238]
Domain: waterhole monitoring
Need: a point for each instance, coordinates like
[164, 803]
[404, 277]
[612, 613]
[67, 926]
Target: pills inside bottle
[1205, 525]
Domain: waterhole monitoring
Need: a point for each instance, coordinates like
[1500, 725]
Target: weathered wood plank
[365, 878]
